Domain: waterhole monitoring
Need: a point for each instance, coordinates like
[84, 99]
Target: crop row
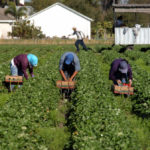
[95, 119]
[30, 119]
[139, 62]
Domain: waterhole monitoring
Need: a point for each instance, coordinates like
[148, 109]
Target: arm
[63, 75]
[24, 72]
[61, 62]
[112, 73]
[77, 63]
[31, 71]
[77, 67]
[74, 74]
[130, 75]
[72, 34]
[129, 72]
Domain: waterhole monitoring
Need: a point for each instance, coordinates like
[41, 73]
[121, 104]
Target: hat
[74, 28]
[69, 58]
[33, 60]
[123, 67]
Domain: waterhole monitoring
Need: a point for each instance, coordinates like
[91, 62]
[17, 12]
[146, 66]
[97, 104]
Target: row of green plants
[95, 119]
[34, 118]
[139, 60]
[30, 119]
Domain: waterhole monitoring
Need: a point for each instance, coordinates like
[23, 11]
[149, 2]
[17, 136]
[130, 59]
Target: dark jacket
[114, 73]
[22, 63]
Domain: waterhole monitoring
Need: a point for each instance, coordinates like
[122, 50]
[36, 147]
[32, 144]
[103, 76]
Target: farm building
[125, 35]
[58, 20]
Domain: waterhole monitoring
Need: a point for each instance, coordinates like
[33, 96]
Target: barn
[58, 20]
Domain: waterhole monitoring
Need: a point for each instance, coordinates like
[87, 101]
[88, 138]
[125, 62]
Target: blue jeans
[81, 42]
[15, 72]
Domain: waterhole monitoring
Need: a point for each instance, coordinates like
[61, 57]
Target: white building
[58, 20]
[5, 24]
[132, 36]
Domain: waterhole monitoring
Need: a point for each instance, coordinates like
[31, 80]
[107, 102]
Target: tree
[3, 3]
[106, 4]
[17, 13]
[25, 30]
[38, 5]
[91, 8]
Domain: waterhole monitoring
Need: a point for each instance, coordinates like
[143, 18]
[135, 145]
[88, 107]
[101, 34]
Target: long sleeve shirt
[80, 35]
[75, 62]
[114, 73]
[22, 64]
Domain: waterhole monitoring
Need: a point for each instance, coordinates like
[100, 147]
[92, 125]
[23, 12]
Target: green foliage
[3, 99]
[56, 138]
[102, 28]
[34, 118]
[17, 13]
[25, 30]
[96, 120]
[32, 109]
[37, 5]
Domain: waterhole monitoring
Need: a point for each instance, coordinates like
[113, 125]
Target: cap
[69, 59]
[123, 67]
[74, 28]
[33, 60]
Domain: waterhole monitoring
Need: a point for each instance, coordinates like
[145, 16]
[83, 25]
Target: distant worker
[80, 36]
[21, 63]
[69, 66]
[120, 22]
[120, 72]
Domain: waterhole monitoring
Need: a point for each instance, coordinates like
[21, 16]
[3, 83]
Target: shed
[135, 35]
[58, 20]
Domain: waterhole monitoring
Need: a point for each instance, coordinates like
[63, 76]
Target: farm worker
[69, 66]
[120, 72]
[21, 63]
[80, 36]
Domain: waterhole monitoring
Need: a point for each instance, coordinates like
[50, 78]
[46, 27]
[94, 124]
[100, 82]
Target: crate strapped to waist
[65, 84]
[14, 79]
[123, 89]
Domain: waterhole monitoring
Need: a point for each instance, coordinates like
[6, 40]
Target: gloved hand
[130, 82]
[32, 75]
[119, 82]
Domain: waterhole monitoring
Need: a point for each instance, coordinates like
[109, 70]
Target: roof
[134, 8]
[64, 6]
[5, 18]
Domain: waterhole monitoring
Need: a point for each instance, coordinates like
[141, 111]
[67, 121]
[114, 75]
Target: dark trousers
[80, 42]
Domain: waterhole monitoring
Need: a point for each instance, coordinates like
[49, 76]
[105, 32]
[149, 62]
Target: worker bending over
[69, 66]
[120, 72]
[21, 63]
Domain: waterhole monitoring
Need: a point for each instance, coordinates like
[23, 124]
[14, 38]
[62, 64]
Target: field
[35, 117]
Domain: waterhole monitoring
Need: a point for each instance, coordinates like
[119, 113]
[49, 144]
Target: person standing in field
[80, 36]
[69, 66]
[21, 63]
[120, 72]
